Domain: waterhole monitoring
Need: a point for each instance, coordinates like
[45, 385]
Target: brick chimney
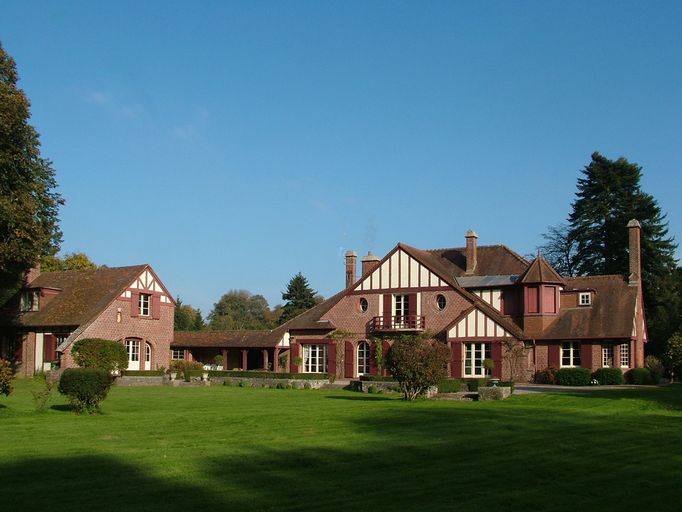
[351, 266]
[635, 250]
[471, 252]
[369, 262]
[32, 274]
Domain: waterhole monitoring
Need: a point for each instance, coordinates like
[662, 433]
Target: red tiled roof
[491, 260]
[610, 315]
[225, 339]
[540, 271]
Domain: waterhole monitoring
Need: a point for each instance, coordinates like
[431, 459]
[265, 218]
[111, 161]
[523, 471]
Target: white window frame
[607, 356]
[570, 350]
[401, 308]
[364, 305]
[30, 300]
[445, 302]
[177, 354]
[585, 299]
[474, 355]
[145, 304]
[133, 350]
[315, 358]
[625, 355]
[147, 353]
[362, 359]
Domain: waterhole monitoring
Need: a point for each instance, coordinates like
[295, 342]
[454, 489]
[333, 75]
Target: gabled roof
[491, 260]
[84, 294]
[610, 315]
[540, 271]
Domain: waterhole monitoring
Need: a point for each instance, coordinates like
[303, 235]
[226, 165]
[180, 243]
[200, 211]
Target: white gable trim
[400, 271]
[477, 324]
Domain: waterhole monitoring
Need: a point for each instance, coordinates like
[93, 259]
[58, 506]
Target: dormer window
[584, 299]
[30, 300]
[145, 303]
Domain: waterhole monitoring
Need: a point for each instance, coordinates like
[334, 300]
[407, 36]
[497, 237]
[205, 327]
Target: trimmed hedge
[85, 388]
[474, 384]
[377, 378]
[450, 386]
[639, 376]
[609, 376]
[267, 375]
[574, 377]
[142, 373]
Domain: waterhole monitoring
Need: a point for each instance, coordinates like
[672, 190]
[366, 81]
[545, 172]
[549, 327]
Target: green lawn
[229, 448]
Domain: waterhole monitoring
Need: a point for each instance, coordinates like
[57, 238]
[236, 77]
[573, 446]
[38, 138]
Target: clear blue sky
[233, 144]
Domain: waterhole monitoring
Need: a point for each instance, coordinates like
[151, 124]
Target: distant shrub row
[268, 375]
[603, 376]
[142, 373]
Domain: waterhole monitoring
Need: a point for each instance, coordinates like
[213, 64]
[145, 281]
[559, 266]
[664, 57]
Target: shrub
[609, 376]
[42, 397]
[417, 364]
[281, 385]
[307, 386]
[639, 376]
[372, 390]
[377, 378]
[473, 384]
[6, 376]
[244, 384]
[574, 377]
[546, 376]
[655, 366]
[85, 388]
[105, 355]
[228, 382]
[450, 386]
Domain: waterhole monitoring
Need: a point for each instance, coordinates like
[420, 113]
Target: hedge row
[267, 375]
[142, 373]
[609, 376]
[640, 376]
[377, 378]
[574, 377]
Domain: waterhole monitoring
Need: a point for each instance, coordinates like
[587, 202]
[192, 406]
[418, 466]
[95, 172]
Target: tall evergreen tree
[28, 202]
[299, 296]
[609, 195]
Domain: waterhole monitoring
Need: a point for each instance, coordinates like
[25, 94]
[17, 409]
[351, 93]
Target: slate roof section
[84, 294]
[540, 271]
[610, 315]
[491, 260]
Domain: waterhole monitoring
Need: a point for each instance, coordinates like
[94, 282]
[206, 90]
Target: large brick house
[55, 309]
[482, 301]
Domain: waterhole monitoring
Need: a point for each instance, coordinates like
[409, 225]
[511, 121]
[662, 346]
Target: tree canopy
[595, 240]
[29, 203]
[70, 261]
[239, 309]
[299, 297]
[187, 318]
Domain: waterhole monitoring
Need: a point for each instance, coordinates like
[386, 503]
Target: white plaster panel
[414, 273]
[375, 279]
[471, 327]
[404, 270]
[480, 327]
[394, 269]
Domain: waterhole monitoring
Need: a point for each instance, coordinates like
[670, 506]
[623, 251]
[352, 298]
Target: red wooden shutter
[456, 367]
[49, 348]
[295, 352]
[388, 306]
[496, 350]
[135, 304]
[348, 360]
[412, 310]
[533, 303]
[331, 357]
[554, 355]
[156, 306]
[586, 355]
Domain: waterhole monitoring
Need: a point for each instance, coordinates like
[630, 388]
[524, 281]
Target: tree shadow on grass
[62, 408]
[668, 397]
[361, 397]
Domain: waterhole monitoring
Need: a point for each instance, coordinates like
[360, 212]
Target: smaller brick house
[54, 309]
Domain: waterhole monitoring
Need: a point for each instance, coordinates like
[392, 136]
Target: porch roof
[225, 339]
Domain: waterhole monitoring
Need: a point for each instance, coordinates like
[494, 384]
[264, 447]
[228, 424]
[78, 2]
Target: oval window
[363, 304]
[441, 302]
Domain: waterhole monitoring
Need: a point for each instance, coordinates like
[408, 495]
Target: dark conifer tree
[299, 296]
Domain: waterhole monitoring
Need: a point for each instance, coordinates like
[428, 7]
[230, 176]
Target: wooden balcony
[398, 323]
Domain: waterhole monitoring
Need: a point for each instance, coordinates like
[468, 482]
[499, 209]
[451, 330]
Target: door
[402, 309]
[363, 358]
[133, 349]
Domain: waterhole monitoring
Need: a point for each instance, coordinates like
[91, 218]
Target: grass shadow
[62, 408]
[362, 398]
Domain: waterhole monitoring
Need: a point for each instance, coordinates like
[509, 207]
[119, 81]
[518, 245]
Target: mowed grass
[229, 448]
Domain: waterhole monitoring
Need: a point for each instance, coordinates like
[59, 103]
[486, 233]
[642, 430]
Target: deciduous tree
[29, 203]
[187, 318]
[70, 261]
[239, 309]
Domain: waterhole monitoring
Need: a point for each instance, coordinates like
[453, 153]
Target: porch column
[245, 352]
[275, 363]
[224, 351]
[265, 358]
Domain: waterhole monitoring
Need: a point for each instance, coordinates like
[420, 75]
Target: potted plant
[218, 362]
[489, 366]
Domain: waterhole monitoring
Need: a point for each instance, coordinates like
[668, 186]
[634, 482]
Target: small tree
[513, 353]
[417, 364]
[86, 388]
[299, 297]
[6, 376]
[106, 355]
[672, 354]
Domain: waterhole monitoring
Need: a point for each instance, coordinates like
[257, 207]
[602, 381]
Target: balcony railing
[399, 323]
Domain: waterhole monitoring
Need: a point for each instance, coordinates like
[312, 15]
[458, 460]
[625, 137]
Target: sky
[233, 144]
